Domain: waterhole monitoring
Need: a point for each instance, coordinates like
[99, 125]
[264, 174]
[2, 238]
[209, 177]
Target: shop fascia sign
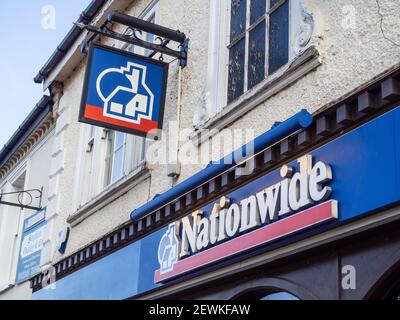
[232, 227]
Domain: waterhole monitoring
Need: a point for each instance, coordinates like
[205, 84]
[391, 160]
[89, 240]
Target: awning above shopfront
[301, 120]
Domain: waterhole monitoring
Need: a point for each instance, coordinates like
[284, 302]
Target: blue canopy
[301, 120]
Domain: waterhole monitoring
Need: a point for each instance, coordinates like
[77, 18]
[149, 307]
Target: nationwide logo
[233, 227]
[123, 91]
[127, 96]
[168, 250]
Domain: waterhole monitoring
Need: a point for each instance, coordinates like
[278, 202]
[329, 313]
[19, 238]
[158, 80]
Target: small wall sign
[31, 246]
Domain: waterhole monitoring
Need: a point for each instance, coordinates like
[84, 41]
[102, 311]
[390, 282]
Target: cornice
[45, 126]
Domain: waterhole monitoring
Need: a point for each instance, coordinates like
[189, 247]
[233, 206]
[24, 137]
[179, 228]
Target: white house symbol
[125, 103]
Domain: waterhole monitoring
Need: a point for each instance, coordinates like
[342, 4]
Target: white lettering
[267, 203]
[250, 218]
[320, 174]
[294, 192]
[232, 220]
[203, 237]
[189, 234]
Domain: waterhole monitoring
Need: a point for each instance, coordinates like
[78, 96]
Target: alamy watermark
[349, 277]
[349, 17]
[49, 278]
[174, 147]
[49, 17]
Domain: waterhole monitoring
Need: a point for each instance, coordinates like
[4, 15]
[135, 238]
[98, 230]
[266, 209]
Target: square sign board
[124, 91]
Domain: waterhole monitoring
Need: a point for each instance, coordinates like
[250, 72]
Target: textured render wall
[350, 57]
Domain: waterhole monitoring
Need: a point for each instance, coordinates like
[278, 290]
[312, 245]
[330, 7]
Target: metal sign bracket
[136, 26]
[20, 199]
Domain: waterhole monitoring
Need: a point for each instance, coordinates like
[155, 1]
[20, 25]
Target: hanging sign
[124, 91]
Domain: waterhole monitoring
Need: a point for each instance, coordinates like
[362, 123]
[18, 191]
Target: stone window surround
[303, 58]
[110, 194]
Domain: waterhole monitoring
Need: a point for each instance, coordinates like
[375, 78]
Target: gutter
[42, 109]
[299, 121]
[86, 16]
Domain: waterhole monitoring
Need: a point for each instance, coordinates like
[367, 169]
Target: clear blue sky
[25, 47]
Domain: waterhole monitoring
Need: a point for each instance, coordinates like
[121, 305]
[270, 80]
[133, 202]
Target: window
[115, 157]
[106, 157]
[259, 42]
[89, 165]
[10, 225]
[279, 296]
[252, 46]
[272, 294]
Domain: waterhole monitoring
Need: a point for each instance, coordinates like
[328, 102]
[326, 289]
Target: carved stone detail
[57, 90]
[304, 32]
[32, 141]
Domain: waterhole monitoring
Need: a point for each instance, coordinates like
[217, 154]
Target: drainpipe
[174, 169]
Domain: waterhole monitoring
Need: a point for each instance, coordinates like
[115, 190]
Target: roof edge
[35, 117]
[85, 17]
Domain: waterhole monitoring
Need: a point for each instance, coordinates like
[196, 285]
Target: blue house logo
[168, 250]
[131, 100]
[124, 91]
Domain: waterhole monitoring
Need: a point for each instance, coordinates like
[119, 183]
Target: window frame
[91, 153]
[216, 107]
[14, 216]
[111, 157]
[263, 19]
[151, 13]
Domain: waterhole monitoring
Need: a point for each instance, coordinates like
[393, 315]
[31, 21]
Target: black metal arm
[20, 198]
[165, 35]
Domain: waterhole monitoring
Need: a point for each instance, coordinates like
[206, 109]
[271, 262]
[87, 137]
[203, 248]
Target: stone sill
[299, 67]
[110, 194]
[6, 287]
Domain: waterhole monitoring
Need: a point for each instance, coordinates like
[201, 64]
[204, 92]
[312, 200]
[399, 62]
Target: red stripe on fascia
[96, 113]
[321, 213]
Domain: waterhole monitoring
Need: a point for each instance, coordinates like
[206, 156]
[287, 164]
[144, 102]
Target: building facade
[26, 166]
[304, 217]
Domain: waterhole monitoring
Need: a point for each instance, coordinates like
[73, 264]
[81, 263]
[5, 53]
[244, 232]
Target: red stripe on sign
[96, 113]
[321, 213]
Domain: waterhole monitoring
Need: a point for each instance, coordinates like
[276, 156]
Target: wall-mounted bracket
[24, 203]
[134, 26]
